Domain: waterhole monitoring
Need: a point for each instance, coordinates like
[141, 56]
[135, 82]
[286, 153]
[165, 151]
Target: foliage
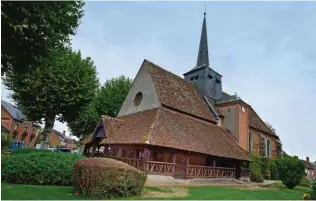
[31, 31]
[5, 142]
[255, 169]
[30, 150]
[305, 182]
[265, 168]
[270, 127]
[101, 178]
[291, 171]
[108, 101]
[274, 170]
[313, 193]
[60, 87]
[42, 168]
[307, 196]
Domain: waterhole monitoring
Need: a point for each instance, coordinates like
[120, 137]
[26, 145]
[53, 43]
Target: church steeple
[203, 48]
[207, 81]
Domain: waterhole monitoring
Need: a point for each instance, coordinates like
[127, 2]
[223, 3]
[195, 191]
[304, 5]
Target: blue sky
[266, 52]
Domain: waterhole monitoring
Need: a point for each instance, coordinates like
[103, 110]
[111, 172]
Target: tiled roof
[62, 137]
[167, 128]
[211, 101]
[177, 93]
[13, 110]
[309, 165]
[256, 122]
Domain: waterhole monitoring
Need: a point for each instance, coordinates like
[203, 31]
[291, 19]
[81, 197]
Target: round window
[138, 98]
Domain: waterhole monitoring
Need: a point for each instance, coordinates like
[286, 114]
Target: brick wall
[243, 127]
[256, 139]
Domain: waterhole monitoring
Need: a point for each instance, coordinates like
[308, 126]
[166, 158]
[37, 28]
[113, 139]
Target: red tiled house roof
[177, 93]
[256, 122]
[167, 128]
[183, 121]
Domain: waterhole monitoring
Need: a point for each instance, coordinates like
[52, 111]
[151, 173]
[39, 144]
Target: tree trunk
[49, 124]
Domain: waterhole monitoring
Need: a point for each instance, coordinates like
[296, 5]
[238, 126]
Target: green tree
[60, 87]
[32, 30]
[107, 101]
[291, 171]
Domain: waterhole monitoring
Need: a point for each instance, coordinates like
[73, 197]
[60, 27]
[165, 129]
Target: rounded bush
[101, 178]
[291, 171]
[305, 182]
[40, 168]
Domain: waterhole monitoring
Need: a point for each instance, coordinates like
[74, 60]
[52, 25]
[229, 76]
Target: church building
[184, 127]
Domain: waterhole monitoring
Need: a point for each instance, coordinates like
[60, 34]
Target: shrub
[313, 193]
[305, 182]
[274, 170]
[43, 168]
[291, 171]
[255, 169]
[29, 150]
[265, 168]
[5, 143]
[101, 178]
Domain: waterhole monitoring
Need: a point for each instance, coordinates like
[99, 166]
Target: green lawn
[29, 192]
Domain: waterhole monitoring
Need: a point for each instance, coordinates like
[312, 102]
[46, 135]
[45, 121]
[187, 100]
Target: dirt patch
[165, 192]
[252, 188]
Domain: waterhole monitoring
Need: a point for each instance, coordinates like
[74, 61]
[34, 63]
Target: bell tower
[207, 80]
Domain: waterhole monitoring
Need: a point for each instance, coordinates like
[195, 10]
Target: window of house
[210, 76]
[269, 148]
[250, 142]
[196, 77]
[218, 81]
[16, 127]
[33, 131]
[192, 78]
[138, 98]
[25, 128]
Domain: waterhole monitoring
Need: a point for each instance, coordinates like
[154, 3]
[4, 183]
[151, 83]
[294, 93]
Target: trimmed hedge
[29, 150]
[39, 168]
[101, 178]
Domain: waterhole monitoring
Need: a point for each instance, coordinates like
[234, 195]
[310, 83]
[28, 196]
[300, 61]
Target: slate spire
[203, 48]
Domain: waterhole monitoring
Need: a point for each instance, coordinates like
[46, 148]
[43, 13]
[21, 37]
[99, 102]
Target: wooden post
[146, 157]
[187, 162]
[174, 157]
[214, 163]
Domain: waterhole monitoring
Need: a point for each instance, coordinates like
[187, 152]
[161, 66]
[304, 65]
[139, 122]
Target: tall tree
[30, 30]
[107, 101]
[60, 87]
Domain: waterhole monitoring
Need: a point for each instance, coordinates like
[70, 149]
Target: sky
[266, 52]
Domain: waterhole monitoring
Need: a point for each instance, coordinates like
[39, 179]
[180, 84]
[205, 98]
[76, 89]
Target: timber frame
[154, 160]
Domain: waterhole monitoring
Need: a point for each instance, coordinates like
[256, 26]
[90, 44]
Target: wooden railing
[195, 171]
[245, 172]
[153, 167]
[137, 163]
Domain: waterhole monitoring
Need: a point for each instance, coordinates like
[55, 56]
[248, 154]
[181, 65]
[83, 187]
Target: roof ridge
[153, 124]
[160, 68]
[262, 121]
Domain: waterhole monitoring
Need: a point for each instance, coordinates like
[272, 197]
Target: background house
[58, 139]
[310, 168]
[16, 126]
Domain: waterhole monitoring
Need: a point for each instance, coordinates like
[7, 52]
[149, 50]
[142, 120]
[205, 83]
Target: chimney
[64, 133]
[307, 159]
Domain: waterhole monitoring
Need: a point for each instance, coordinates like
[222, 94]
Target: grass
[272, 192]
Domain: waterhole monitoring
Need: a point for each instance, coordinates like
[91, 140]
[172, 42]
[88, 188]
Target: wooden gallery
[183, 127]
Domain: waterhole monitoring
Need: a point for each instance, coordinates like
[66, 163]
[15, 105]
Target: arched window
[250, 143]
[269, 148]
